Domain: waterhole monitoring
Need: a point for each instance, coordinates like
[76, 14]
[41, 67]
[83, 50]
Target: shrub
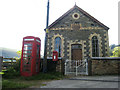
[11, 73]
[16, 65]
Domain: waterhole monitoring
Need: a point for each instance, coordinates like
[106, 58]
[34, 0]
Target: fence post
[1, 62]
[11, 62]
[76, 68]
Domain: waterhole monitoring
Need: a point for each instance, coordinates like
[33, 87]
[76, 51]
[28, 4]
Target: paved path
[85, 82]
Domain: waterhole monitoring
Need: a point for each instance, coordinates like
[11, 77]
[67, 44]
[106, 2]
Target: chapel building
[77, 35]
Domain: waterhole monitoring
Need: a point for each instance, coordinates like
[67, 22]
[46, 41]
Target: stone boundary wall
[104, 67]
[55, 66]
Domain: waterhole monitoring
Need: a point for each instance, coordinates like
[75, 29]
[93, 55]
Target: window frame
[58, 48]
[95, 46]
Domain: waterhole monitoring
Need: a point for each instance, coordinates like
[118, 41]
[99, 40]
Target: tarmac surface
[85, 82]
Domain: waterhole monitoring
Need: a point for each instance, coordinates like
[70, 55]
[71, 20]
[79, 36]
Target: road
[85, 82]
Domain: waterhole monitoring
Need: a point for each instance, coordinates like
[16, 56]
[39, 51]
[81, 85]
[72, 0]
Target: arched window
[58, 45]
[95, 47]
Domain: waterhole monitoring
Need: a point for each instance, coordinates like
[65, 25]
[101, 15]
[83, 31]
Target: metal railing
[76, 67]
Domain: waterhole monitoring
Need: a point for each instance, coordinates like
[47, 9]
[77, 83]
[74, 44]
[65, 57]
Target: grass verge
[26, 82]
[12, 84]
[45, 76]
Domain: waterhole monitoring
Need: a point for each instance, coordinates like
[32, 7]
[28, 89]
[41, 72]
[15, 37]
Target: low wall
[104, 67]
[57, 66]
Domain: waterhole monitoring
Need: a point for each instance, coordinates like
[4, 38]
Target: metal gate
[76, 67]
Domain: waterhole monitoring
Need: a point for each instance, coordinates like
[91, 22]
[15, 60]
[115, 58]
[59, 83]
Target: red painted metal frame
[35, 41]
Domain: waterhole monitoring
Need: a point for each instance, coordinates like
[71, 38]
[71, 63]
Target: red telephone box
[30, 58]
[55, 56]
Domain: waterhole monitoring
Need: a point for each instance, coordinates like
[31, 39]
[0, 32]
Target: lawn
[30, 82]
[17, 83]
[11, 78]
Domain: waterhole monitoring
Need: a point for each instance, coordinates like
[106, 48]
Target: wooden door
[76, 52]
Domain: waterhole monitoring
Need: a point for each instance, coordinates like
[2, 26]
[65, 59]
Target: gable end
[84, 12]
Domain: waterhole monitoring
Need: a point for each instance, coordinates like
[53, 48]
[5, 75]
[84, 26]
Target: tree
[116, 52]
[19, 52]
[111, 48]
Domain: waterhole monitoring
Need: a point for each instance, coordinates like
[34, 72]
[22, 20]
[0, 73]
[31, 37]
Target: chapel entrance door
[76, 52]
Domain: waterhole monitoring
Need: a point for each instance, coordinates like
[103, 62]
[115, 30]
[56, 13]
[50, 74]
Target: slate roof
[84, 12]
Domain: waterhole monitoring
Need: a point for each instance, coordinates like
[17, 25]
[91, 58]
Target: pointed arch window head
[58, 45]
[95, 47]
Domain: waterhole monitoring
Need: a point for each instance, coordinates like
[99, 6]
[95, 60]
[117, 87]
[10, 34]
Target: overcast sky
[20, 18]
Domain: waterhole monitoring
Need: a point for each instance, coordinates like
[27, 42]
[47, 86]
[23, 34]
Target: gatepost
[1, 60]
[89, 67]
